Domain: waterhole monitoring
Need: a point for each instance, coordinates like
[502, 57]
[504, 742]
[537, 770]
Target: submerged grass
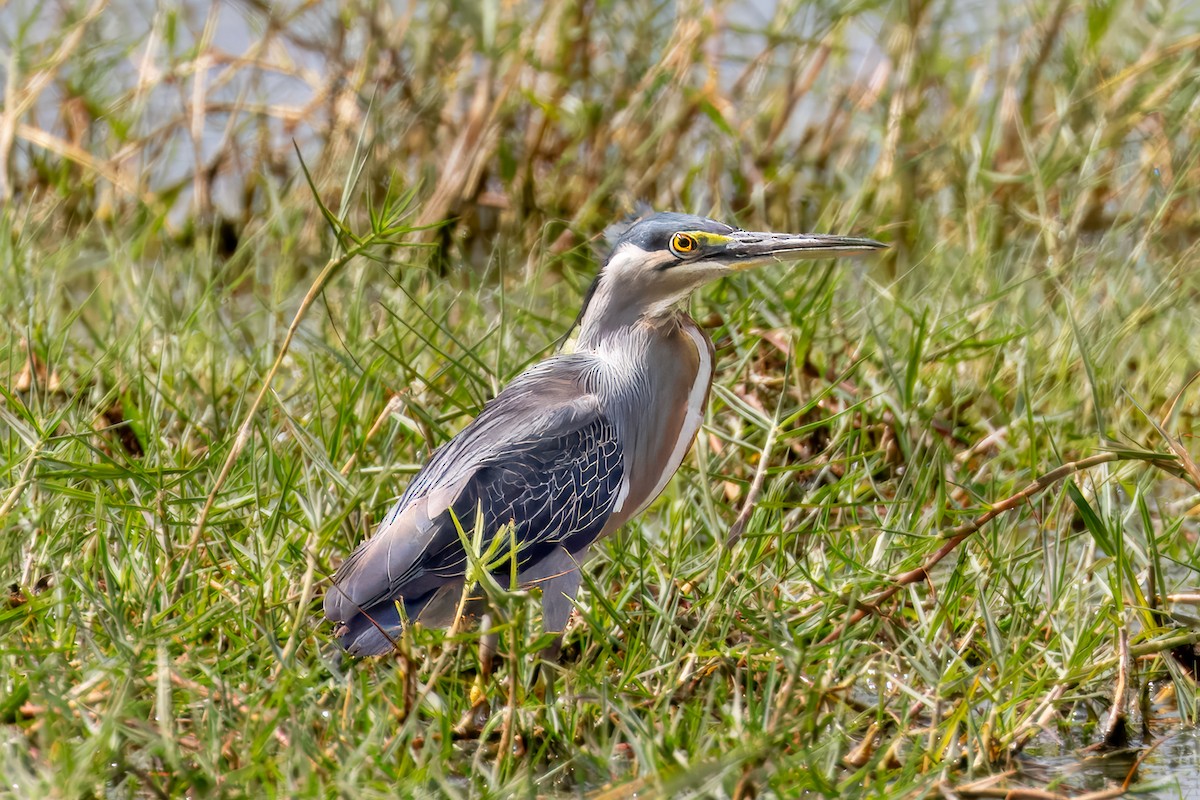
[862, 634]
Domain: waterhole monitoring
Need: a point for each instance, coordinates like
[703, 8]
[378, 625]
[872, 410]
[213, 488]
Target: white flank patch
[621, 495]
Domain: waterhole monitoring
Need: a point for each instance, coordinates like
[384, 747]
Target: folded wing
[542, 456]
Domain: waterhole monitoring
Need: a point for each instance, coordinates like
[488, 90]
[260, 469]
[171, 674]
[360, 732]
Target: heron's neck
[610, 314]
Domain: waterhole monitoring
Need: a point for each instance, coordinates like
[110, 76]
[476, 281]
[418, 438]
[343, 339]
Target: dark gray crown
[652, 232]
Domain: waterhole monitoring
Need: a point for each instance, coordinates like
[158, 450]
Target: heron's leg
[558, 576]
[558, 599]
[477, 715]
[488, 642]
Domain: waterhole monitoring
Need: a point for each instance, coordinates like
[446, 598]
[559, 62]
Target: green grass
[1040, 180]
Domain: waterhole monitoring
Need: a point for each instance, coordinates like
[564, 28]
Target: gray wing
[541, 455]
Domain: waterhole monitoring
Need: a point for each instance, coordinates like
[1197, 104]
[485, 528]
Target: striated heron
[573, 447]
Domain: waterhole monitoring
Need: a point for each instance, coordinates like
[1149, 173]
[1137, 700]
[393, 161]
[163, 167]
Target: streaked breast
[663, 411]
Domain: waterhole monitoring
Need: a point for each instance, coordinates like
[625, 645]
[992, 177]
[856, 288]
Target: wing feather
[542, 455]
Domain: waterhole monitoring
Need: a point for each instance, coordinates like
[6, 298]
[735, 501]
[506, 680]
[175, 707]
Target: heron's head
[659, 260]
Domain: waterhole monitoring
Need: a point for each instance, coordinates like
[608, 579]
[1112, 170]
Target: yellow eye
[682, 244]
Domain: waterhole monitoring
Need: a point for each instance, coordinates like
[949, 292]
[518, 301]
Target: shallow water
[1171, 771]
[1175, 762]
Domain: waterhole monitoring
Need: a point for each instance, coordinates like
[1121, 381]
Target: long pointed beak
[747, 249]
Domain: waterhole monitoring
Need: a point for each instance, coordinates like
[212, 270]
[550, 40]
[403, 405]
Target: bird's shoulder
[549, 401]
[559, 393]
[560, 379]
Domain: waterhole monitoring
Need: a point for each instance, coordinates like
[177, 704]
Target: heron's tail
[373, 631]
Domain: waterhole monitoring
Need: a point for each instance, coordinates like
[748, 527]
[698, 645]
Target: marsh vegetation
[963, 473]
